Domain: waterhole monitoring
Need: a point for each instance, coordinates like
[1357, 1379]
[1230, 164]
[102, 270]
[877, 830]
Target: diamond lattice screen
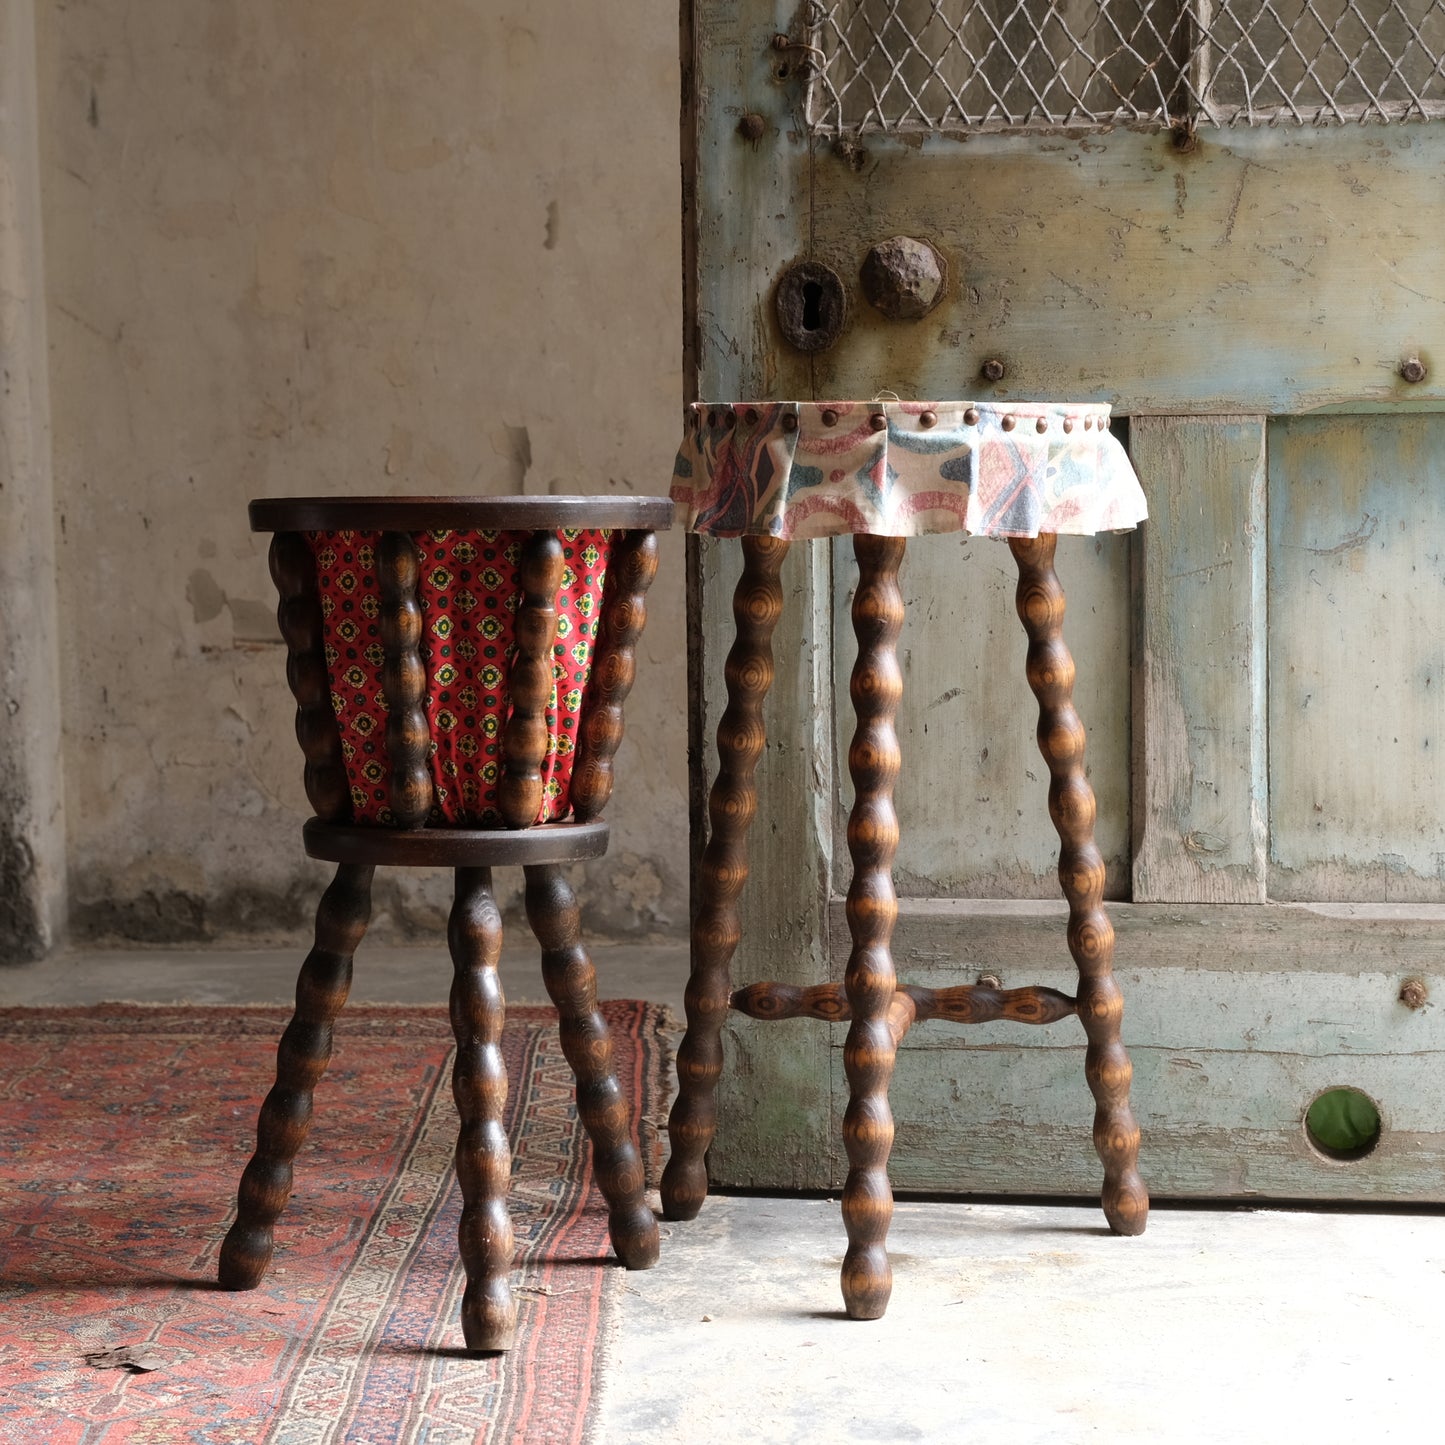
[999, 64]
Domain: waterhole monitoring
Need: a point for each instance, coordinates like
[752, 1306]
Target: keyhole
[812, 306]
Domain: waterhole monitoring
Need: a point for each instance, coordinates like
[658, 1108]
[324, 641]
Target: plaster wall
[340, 246]
[32, 799]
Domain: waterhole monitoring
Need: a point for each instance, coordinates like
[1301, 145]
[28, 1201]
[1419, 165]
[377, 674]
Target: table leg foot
[868, 1054]
[757, 604]
[479, 1085]
[1081, 874]
[571, 981]
[301, 1059]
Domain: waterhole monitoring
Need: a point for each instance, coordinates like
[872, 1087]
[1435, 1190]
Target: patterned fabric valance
[814, 469]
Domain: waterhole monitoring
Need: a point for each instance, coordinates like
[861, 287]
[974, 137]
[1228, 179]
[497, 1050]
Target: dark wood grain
[872, 907]
[601, 1105]
[298, 614]
[529, 681]
[301, 1059]
[403, 679]
[485, 514]
[479, 1084]
[454, 847]
[732, 803]
[1040, 601]
[630, 570]
[961, 1004]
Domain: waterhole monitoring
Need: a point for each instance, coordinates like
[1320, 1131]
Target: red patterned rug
[123, 1132]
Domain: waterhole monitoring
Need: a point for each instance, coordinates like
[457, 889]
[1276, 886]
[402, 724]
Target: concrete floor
[381, 974]
[1008, 1323]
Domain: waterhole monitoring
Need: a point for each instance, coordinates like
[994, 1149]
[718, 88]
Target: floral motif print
[897, 469]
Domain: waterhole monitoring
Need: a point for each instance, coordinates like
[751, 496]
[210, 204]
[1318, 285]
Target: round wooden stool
[459, 666]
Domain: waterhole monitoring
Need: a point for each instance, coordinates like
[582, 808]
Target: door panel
[1357, 658]
[972, 780]
[1265, 271]
[1200, 820]
[1236, 1019]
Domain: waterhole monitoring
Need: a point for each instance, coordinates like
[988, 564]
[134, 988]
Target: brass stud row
[878, 421]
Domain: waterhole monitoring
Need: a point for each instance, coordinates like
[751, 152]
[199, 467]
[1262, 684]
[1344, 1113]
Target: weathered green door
[1228, 220]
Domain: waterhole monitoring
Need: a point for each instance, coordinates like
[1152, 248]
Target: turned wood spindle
[963, 1004]
[301, 1059]
[630, 570]
[529, 682]
[298, 614]
[479, 1085]
[732, 803]
[403, 679]
[571, 981]
[1081, 874]
[872, 907]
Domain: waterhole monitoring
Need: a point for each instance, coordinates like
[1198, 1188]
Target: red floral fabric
[469, 592]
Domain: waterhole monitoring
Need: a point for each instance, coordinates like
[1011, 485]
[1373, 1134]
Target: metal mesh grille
[1004, 64]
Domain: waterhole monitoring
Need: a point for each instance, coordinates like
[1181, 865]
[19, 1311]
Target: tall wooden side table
[774, 472]
[459, 666]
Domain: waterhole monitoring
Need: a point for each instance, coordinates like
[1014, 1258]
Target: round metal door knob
[904, 278]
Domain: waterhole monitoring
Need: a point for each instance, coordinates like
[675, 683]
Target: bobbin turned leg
[479, 1084]
[301, 1059]
[524, 739]
[757, 604]
[872, 907]
[1081, 872]
[572, 984]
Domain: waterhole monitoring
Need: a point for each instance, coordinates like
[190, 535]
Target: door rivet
[994, 369]
[989, 980]
[811, 305]
[1414, 994]
[1412, 369]
[752, 126]
[904, 278]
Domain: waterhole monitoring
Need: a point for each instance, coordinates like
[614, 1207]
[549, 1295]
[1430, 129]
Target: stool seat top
[483, 514]
[793, 469]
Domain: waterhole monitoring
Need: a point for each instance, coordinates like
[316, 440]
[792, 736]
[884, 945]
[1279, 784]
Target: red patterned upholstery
[469, 593]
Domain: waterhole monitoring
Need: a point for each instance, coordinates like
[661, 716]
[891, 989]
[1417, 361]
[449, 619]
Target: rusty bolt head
[994, 369]
[1414, 994]
[782, 42]
[904, 278]
[752, 126]
[1412, 369]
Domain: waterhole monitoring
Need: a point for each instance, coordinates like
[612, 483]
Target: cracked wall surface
[32, 800]
[330, 248]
